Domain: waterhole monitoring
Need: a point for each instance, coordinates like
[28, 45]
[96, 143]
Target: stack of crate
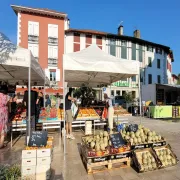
[36, 164]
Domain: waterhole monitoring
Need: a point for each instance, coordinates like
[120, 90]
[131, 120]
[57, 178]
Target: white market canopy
[93, 67]
[14, 67]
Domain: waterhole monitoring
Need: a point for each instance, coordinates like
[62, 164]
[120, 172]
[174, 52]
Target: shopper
[3, 114]
[34, 96]
[110, 108]
[69, 116]
[48, 101]
[39, 105]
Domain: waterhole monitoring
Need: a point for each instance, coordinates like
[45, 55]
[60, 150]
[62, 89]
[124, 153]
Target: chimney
[120, 30]
[137, 34]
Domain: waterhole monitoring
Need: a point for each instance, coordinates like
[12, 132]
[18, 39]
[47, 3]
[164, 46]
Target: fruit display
[53, 112]
[49, 113]
[87, 112]
[166, 156]
[97, 145]
[60, 114]
[141, 136]
[146, 160]
[120, 111]
[35, 148]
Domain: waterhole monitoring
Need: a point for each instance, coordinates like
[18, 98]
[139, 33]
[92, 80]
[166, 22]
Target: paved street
[72, 167]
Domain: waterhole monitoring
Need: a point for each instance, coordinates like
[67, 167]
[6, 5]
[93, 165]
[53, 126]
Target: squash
[92, 144]
[97, 147]
[102, 147]
[105, 134]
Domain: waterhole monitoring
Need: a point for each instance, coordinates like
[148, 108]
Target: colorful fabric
[3, 113]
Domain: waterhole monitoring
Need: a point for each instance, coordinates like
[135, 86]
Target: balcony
[52, 62]
[33, 38]
[53, 40]
[53, 83]
[36, 58]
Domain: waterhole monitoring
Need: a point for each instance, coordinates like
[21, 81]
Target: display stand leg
[11, 138]
[94, 127]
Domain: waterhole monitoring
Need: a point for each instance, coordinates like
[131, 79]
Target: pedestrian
[69, 116]
[110, 109]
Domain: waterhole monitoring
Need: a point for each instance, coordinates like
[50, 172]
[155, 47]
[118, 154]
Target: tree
[86, 94]
[128, 97]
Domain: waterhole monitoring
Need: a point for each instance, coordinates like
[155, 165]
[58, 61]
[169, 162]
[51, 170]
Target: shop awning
[14, 68]
[94, 67]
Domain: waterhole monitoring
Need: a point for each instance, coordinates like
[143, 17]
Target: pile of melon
[98, 142]
[141, 136]
[146, 160]
[165, 156]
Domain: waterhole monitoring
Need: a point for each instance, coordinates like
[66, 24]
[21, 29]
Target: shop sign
[121, 84]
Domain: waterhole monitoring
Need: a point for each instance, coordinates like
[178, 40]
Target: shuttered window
[53, 30]
[33, 28]
[124, 50]
[34, 48]
[112, 47]
[133, 51]
[140, 54]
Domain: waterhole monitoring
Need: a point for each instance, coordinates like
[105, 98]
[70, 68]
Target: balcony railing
[36, 58]
[52, 62]
[52, 40]
[53, 83]
[33, 38]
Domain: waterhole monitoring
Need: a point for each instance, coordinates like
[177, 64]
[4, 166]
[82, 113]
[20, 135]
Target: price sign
[133, 127]
[117, 140]
[38, 138]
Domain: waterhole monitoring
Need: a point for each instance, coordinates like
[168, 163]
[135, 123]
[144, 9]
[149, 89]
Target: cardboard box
[28, 154]
[44, 152]
[28, 171]
[44, 161]
[29, 162]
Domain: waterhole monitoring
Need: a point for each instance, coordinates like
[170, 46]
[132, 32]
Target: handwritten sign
[38, 139]
[133, 127]
[117, 140]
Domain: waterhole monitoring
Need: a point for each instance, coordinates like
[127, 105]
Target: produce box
[166, 156]
[142, 137]
[122, 149]
[120, 155]
[145, 160]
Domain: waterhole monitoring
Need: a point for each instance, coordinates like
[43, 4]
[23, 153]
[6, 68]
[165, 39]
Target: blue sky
[158, 20]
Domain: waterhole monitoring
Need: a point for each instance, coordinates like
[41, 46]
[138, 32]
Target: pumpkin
[98, 153]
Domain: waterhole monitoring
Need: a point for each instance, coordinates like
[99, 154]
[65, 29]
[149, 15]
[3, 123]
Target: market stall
[19, 67]
[93, 67]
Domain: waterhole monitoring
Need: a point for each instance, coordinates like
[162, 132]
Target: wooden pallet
[119, 163]
[105, 165]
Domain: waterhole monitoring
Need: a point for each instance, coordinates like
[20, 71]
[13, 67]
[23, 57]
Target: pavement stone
[72, 167]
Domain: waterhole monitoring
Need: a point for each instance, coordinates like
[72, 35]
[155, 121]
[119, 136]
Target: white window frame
[34, 25]
[53, 30]
[54, 54]
[32, 47]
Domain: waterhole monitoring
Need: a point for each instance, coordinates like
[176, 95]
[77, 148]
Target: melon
[168, 157]
[144, 156]
[102, 147]
[105, 139]
[97, 147]
[110, 143]
[135, 140]
[137, 134]
[132, 135]
[154, 133]
[159, 137]
[149, 133]
[92, 144]
[173, 161]
[131, 140]
[154, 165]
[144, 161]
[105, 133]
[150, 166]
[101, 134]
[139, 140]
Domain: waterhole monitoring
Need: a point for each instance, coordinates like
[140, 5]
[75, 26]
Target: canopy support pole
[140, 101]
[44, 90]
[29, 104]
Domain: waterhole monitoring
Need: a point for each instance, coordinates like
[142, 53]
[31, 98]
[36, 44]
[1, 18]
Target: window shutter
[58, 75]
[50, 52]
[30, 47]
[36, 52]
[49, 30]
[47, 73]
[36, 28]
[30, 28]
[55, 31]
[55, 52]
